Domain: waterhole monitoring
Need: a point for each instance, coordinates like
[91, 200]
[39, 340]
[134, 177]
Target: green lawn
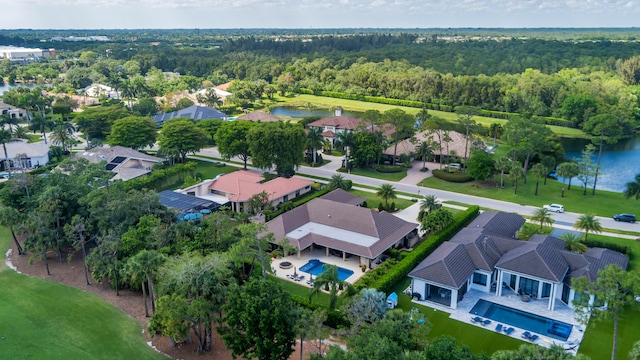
[604, 203]
[373, 200]
[355, 105]
[46, 320]
[372, 173]
[208, 170]
[598, 338]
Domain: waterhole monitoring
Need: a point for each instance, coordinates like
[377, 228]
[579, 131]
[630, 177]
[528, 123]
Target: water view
[300, 113]
[5, 87]
[618, 165]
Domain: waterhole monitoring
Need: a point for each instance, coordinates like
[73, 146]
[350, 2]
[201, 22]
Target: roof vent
[328, 215]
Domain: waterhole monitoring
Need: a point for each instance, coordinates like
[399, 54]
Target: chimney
[338, 111]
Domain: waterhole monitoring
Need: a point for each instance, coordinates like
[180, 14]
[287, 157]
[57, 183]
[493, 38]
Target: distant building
[126, 163]
[97, 90]
[332, 126]
[33, 155]
[259, 116]
[80, 38]
[14, 53]
[193, 112]
[12, 111]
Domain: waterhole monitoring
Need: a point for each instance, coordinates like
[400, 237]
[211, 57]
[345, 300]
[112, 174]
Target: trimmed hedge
[385, 278]
[304, 199]
[455, 177]
[388, 169]
[615, 247]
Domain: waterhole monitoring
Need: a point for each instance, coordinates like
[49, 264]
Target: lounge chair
[526, 335]
[509, 330]
[533, 338]
[476, 319]
[486, 322]
[499, 327]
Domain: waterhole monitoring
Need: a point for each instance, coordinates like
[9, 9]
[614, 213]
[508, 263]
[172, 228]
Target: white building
[20, 53]
[23, 155]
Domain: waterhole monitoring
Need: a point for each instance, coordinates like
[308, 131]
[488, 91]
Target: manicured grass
[302, 291]
[208, 170]
[373, 200]
[598, 338]
[355, 105]
[5, 242]
[46, 320]
[604, 203]
[372, 173]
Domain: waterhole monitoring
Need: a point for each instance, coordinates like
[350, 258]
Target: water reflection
[300, 113]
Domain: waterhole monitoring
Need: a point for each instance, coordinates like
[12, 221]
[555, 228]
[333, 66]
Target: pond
[618, 165]
[300, 113]
[5, 87]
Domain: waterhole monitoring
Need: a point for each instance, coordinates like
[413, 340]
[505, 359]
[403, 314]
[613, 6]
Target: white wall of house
[555, 288]
[480, 280]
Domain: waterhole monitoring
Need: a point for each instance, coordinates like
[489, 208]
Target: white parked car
[554, 208]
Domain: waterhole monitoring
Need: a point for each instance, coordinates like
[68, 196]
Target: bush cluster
[388, 168]
[456, 177]
[270, 215]
[335, 318]
[615, 247]
[388, 277]
[161, 178]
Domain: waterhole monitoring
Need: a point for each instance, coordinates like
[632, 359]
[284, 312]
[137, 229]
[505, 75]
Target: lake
[619, 163]
[300, 113]
[5, 87]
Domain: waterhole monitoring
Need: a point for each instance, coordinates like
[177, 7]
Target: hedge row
[388, 169]
[395, 274]
[161, 178]
[271, 215]
[541, 119]
[455, 177]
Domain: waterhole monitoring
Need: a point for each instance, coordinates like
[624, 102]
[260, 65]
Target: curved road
[566, 219]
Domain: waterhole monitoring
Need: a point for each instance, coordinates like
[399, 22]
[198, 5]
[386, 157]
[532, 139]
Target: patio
[510, 299]
[351, 263]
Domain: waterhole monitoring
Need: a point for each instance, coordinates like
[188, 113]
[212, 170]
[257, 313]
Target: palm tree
[567, 170]
[144, 266]
[386, 193]
[41, 124]
[588, 223]
[346, 139]
[329, 281]
[315, 140]
[424, 150]
[496, 130]
[632, 188]
[502, 164]
[515, 173]
[5, 137]
[573, 242]
[429, 203]
[62, 134]
[9, 120]
[542, 216]
[337, 181]
[538, 170]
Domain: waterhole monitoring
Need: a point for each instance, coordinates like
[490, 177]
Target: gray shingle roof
[344, 197]
[386, 228]
[535, 259]
[449, 265]
[498, 223]
[193, 112]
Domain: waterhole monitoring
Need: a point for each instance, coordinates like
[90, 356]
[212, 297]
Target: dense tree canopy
[135, 132]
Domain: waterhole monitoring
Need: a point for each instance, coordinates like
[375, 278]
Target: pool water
[522, 319]
[315, 267]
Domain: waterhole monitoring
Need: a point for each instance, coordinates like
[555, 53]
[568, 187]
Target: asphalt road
[566, 218]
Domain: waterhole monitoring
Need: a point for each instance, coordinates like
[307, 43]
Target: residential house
[486, 256]
[454, 148]
[25, 156]
[343, 228]
[188, 204]
[12, 111]
[331, 127]
[193, 112]
[238, 187]
[125, 162]
[98, 90]
[222, 94]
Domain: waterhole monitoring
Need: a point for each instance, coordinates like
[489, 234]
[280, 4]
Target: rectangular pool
[315, 267]
[522, 319]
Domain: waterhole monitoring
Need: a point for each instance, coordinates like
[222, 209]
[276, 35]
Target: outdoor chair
[476, 319]
[499, 327]
[509, 330]
[486, 322]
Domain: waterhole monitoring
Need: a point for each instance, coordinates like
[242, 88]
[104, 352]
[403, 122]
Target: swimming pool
[522, 319]
[314, 266]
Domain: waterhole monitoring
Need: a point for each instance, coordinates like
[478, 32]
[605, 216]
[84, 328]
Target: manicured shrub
[456, 176]
[388, 168]
[161, 178]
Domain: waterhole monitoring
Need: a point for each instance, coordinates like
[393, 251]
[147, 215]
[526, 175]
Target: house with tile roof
[486, 256]
[344, 228]
[408, 146]
[239, 186]
[193, 112]
[332, 126]
[259, 116]
[124, 162]
[24, 155]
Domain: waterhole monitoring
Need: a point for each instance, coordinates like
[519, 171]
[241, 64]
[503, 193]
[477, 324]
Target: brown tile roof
[259, 116]
[340, 122]
[386, 228]
[408, 146]
[241, 185]
[224, 86]
[344, 197]
[328, 133]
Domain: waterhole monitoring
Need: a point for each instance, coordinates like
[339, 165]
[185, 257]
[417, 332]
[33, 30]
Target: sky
[168, 14]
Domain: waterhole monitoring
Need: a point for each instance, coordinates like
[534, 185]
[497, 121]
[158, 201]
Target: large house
[486, 256]
[12, 111]
[332, 126]
[238, 187]
[193, 112]
[98, 90]
[25, 156]
[454, 147]
[335, 224]
[125, 163]
[259, 116]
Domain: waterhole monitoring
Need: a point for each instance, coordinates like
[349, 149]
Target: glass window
[479, 278]
[546, 290]
[529, 286]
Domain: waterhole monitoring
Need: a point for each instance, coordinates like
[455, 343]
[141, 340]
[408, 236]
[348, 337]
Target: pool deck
[352, 263]
[561, 313]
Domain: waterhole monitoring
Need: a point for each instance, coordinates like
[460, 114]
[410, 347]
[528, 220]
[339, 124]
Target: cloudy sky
[114, 14]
